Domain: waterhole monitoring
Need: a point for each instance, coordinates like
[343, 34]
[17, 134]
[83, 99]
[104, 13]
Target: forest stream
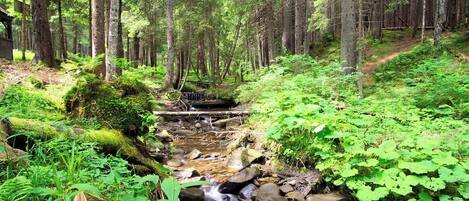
[218, 150]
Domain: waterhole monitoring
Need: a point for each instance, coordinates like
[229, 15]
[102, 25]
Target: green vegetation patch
[394, 144]
[122, 104]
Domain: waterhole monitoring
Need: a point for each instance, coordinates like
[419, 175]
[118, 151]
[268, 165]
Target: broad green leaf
[453, 175]
[194, 184]
[369, 163]
[433, 183]
[366, 194]
[444, 158]
[171, 189]
[421, 167]
[464, 190]
[347, 171]
[423, 196]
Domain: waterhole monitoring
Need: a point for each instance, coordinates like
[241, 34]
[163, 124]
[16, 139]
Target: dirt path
[400, 47]
[15, 73]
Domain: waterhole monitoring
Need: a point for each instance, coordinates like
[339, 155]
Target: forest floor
[18, 72]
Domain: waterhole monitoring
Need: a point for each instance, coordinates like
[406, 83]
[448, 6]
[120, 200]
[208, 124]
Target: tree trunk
[90, 31]
[112, 48]
[42, 34]
[348, 50]
[120, 42]
[63, 41]
[308, 34]
[23, 32]
[377, 21]
[98, 39]
[299, 25]
[424, 9]
[440, 18]
[136, 49]
[288, 28]
[170, 40]
[415, 13]
[270, 31]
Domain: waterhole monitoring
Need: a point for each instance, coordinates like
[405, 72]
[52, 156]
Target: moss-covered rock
[120, 105]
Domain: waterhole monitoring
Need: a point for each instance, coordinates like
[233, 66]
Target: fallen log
[201, 113]
[111, 141]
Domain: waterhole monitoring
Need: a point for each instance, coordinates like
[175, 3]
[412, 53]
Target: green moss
[112, 140]
[33, 128]
[118, 105]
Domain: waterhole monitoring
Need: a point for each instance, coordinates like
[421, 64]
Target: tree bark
[377, 21]
[170, 40]
[63, 40]
[424, 9]
[288, 28]
[42, 34]
[308, 34]
[299, 25]
[112, 50]
[415, 13]
[120, 42]
[348, 50]
[440, 18]
[98, 40]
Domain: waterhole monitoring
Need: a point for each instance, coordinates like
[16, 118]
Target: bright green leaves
[348, 171]
[171, 189]
[457, 174]
[366, 194]
[433, 183]
[421, 167]
[444, 158]
[464, 190]
[369, 163]
[387, 150]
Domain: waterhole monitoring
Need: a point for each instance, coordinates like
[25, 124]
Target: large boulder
[269, 192]
[243, 157]
[239, 180]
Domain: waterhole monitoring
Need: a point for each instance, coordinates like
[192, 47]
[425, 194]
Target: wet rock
[194, 154]
[192, 194]
[188, 173]
[286, 188]
[326, 197]
[235, 121]
[269, 192]
[246, 193]
[236, 182]
[174, 163]
[241, 158]
[164, 136]
[198, 125]
[295, 196]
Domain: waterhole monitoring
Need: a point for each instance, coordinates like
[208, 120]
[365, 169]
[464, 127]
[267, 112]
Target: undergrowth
[407, 140]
